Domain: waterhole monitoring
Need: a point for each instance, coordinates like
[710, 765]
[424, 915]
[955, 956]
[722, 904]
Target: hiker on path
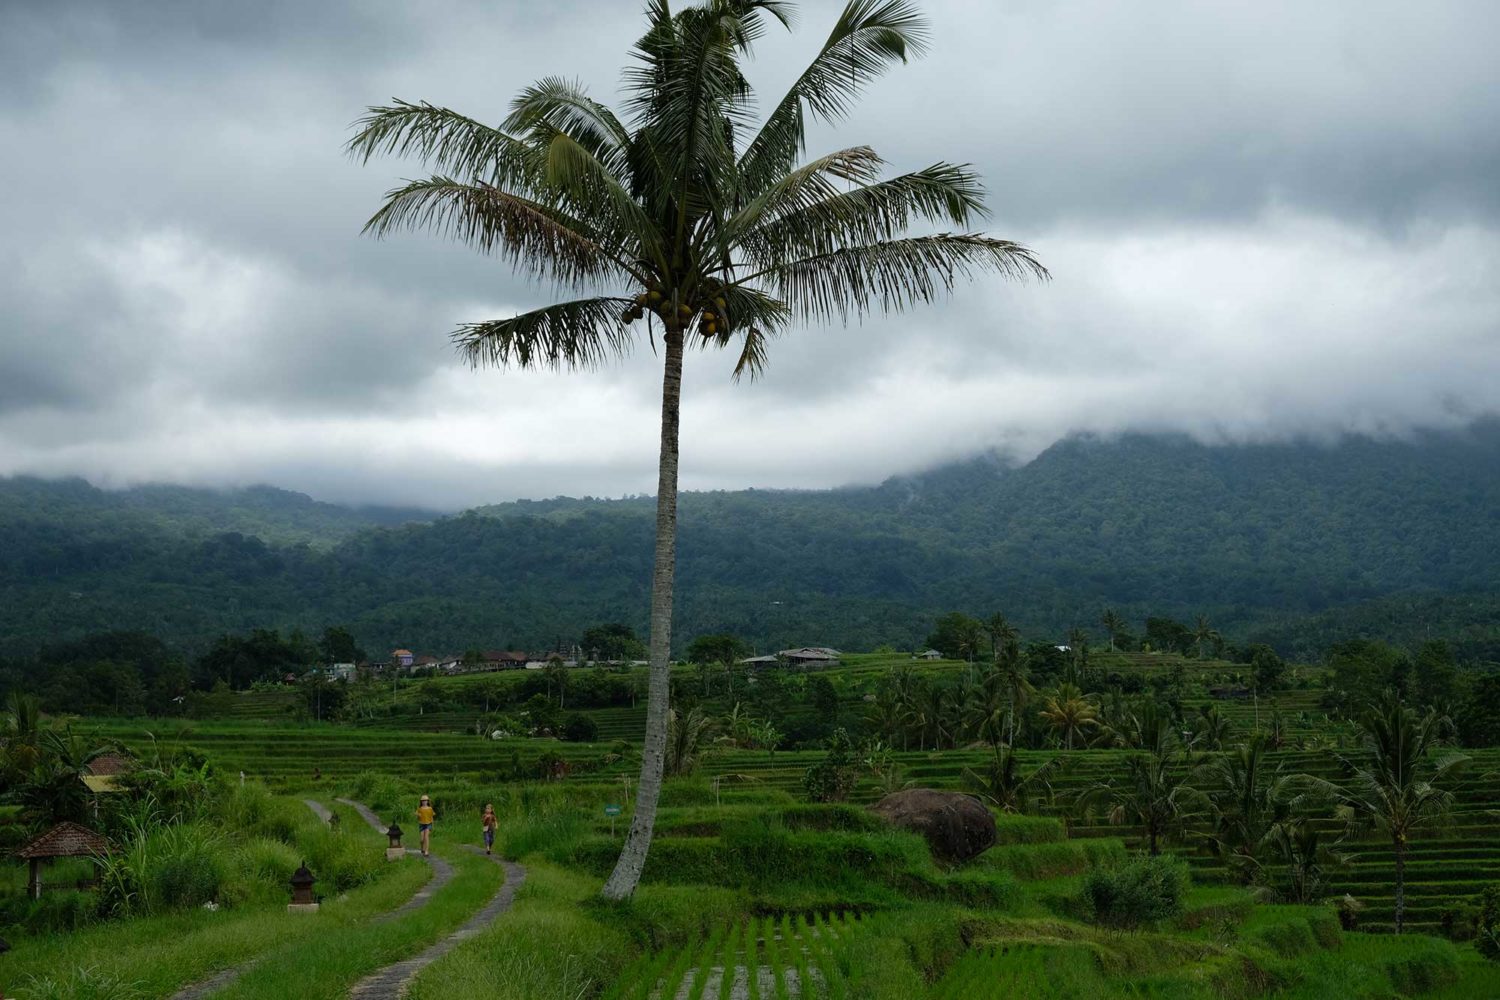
[489, 821]
[425, 817]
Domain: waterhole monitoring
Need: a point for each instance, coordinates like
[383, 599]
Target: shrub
[1487, 926]
[188, 867]
[833, 778]
[580, 728]
[339, 863]
[83, 984]
[1143, 890]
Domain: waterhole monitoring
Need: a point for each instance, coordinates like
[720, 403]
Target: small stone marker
[302, 894]
[395, 852]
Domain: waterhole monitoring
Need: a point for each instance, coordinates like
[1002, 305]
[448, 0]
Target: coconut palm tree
[983, 705]
[1250, 800]
[1211, 729]
[1394, 783]
[1071, 716]
[1003, 784]
[1298, 846]
[1005, 638]
[1113, 624]
[20, 736]
[688, 738]
[1158, 794]
[686, 219]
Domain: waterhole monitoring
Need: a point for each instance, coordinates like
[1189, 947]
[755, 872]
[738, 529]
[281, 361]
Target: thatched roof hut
[65, 840]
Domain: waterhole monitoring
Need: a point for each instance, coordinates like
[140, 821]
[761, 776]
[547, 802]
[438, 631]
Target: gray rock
[956, 826]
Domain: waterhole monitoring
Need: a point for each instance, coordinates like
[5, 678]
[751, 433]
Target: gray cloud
[1265, 220]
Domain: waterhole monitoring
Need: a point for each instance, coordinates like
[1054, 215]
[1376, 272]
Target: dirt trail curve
[442, 873]
[391, 982]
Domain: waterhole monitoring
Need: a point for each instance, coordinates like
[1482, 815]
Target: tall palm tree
[1395, 779]
[984, 706]
[1158, 794]
[1003, 784]
[1113, 624]
[688, 219]
[1005, 638]
[1078, 655]
[1250, 801]
[1203, 632]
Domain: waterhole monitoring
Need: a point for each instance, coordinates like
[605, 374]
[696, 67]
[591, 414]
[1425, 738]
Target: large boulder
[957, 826]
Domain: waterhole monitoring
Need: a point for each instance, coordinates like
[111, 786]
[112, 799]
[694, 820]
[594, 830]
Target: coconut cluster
[710, 310]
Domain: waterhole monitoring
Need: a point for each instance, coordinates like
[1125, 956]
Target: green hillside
[1301, 544]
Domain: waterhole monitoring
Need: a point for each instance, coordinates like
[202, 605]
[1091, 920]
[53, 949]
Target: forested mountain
[273, 515]
[1295, 543]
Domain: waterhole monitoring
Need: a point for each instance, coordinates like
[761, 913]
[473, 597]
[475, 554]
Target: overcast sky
[1265, 220]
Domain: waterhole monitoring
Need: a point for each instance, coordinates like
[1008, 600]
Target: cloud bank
[1264, 221]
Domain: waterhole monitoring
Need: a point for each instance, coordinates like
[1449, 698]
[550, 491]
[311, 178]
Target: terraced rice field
[1448, 864]
[787, 957]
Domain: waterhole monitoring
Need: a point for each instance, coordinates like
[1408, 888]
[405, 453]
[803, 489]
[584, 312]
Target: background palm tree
[1250, 799]
[1394, 782]
[1078, 654]
[687, 740]
[1003, 784]
[1203, 632]
[1071, 716]
[1113, 624]
[688, 219]
[1158, 794]
[1005, 638]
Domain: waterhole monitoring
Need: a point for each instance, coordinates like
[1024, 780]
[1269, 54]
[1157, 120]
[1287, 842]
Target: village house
[504, 659]
[809, 657]
[402, 657]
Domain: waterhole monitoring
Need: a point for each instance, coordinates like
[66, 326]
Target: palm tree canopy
[685, 207]
[1396, 782]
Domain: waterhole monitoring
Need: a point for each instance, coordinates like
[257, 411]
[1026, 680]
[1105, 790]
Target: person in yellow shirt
[425, 816]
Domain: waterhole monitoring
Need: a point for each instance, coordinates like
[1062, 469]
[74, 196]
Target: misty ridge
[1292, 543]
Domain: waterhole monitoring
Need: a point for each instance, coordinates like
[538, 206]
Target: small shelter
[929, 654]
[65, 840]
[104, 772]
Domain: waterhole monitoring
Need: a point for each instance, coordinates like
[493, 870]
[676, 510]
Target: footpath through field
[442, 874]
[391, 982]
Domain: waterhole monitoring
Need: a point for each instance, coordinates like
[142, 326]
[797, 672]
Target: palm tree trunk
[627, 873]
[1400, 883]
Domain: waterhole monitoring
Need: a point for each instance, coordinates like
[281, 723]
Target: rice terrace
[1123, 620]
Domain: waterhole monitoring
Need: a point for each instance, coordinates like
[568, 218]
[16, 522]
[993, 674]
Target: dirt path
[391, 982]
[442, 874]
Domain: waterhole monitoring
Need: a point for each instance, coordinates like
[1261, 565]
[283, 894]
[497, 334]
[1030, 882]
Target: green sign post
[611, 810]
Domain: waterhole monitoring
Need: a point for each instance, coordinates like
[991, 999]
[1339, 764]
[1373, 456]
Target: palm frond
[444, 141]
[895, 274]
[574, 174]
[563, 106]
[583, 333]
[941, 193]
[529, 235]
[797, 191]
[868, 38]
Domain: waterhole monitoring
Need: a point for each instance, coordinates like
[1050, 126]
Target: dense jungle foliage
[1297, 545]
